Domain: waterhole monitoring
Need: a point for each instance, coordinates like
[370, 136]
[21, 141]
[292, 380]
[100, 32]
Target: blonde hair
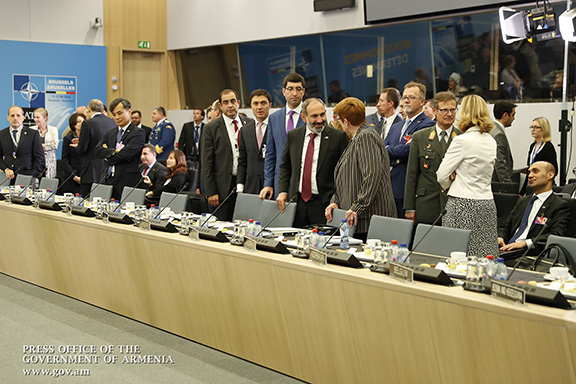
[43, 111]
[474, 113]
[546, 131]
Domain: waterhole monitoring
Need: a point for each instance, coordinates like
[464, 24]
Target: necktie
[307, 175]
[196, 138]
[404, 128]
[145, 173]
[524, 221]
[383, 125]
[235, 129]
[259, 135]
[290, 125]
[15, 134]
[119, 135]
[444, 141]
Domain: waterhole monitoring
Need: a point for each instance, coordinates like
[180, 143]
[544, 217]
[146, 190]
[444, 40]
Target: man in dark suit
[504, 113]
[253, 145]
[424, 198]
[137, 121]
[120, 148]
[153, 173]
[219, 154]
[307, 170]
[387, 112]
[92, 131]
[21, 149]
[400, 136]
[279, 124]
[189, 141]
[520, 229]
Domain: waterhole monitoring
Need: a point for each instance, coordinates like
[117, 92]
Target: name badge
[540, 220]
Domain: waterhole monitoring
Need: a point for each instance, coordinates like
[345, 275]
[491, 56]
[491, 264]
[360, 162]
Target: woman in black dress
[176, 177]
[71, 160]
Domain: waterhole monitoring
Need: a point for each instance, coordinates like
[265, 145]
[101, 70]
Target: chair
[504, 204]
[337, 216]
[102, 191]
[390, 228]
[133, 195]
[571, 230]
[51, 184]
[441, 241]
[176, 204]
[247, 207]
[23, 180]
[505, 187]
[269, 209]
[3, 179]
[568, 243]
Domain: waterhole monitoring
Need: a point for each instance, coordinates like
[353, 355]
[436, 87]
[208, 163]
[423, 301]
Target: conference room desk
[319, 324]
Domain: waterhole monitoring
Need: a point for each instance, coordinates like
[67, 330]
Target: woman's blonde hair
[546, 131]
[474, 113]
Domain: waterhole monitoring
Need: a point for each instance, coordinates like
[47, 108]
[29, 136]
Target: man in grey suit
[387, 113]
[219, 154]
[307, 169]
[424, 198]
[252, 145]
[93, 130]
[504, 113]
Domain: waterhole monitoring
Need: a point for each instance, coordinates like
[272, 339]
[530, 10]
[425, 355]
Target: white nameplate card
[193, 234]
[318, 257]
[508, 292]
[250, 244]
[401, 272]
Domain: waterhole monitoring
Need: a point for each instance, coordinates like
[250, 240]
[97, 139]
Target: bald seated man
[520, 229]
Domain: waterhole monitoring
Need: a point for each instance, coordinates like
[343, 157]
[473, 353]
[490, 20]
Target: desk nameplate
[318, 257]
[401, 272]
[507, 292]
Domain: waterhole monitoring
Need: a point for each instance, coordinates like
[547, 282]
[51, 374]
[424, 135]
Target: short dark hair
[503, 106]
[138, 112]
[261, 92]
[96, 105]
[201, 111]
[293, 78]
[228, 90]
[393, 95]
[151, 148]
[441, 97]
[119, 100]
[161, 110]
[74, 119]
[335, 83]
[309, 101]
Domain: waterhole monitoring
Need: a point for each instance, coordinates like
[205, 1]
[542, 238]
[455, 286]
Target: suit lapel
[297, 161]
[324, 144]
[23, 139]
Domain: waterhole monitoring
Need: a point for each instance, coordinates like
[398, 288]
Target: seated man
[520, 229]
[153, 173]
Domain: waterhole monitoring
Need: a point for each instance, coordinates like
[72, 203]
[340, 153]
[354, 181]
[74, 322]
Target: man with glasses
[424, 198]
[504, 113]
[387, 112]
[279, 124]
[400, 136]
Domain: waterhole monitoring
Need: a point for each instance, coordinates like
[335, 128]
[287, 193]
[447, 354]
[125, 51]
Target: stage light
[567, 25]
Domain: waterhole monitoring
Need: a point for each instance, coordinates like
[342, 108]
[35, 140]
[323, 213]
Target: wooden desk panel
[323, 325]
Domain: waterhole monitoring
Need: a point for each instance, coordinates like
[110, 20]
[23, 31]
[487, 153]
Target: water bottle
[153, 211]
[77, 199]
[250, 231]
[386, 250]
[403, 253]
[203, 220]
[490, 266]
[257, 229]
[113, 206]
[314, 238]
[344, 230]
[500, 271]
[51, 196]
[483, 264]
[393, 255]
[321, 239]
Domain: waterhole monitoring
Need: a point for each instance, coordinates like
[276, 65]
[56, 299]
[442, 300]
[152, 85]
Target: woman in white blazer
[467, 170]
[50, 140]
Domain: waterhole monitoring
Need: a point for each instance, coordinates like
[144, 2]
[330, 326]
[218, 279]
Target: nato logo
[29, 91]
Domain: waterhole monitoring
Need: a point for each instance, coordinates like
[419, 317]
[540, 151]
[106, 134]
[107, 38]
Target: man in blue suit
[400, 136]
[279, 123]
[163, 134]
[387, 112]
[20, 147]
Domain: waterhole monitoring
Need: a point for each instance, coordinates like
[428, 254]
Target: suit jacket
[275, 143]
[92, 132]
[251, 159]
[555, 209]
[163, 137]
[71, 160]
[362, 179]
[148, 131]
[176, 183]
[333, 142]
[373, 121]
[504, 163]
[547, 153]
[187, 141]
[422, 192]
[399, 149]
[27, 158]
[157, 175]
[126, 160]
[217, 158]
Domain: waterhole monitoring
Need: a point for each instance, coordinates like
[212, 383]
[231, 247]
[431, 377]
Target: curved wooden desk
[322, 325]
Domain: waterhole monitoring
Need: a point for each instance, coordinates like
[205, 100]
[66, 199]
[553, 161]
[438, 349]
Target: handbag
[554, 255]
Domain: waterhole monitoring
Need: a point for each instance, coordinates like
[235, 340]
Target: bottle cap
[321, 233]
[490, 257]
[251, 220]
[394, 241]
[500, 259]
[403, 245]
[343, 220]
[257, 223]
[314, 230]
[152, 205]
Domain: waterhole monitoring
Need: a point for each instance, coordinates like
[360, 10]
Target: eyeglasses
[451, 110]
[531, 127]
[292, 89]
[411, 98]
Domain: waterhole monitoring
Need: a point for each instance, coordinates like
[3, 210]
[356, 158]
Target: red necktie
[307, 176]
[236, 130]
[145, 173]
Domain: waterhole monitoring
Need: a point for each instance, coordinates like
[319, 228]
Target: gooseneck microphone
[30, 182]
[292, 200]
[426, 234]
[218, 207]
[172, 199]
[65, 181]
[94, 186]
[129, 193]
[517, 263]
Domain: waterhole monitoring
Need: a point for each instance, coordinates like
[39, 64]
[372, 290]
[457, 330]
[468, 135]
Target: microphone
[94, 186]
[54, 206]
[517, 263]
[292, 200]
[186, 185]
[336, 231]
[128, 195]
[426, 234]
[80, 209]
[218, 207]
[65, 181]
[31, 181]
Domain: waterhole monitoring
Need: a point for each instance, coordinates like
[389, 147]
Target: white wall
[200, 23]
[51, 21]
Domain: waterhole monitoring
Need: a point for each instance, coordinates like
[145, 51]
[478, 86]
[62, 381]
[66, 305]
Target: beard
[315, 129]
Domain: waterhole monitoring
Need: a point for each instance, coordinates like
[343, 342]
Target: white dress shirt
[541, 198]
[472, 155]
[233, 136]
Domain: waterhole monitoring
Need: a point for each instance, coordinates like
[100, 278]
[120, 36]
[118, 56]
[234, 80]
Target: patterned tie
[524, 222]
[236, 129]
[383, 125]
[15, 134]
[259, 135]
[404, 128]
[196, 138]
[444, 141]
[307, 176]
[119, 135]
[290, 125]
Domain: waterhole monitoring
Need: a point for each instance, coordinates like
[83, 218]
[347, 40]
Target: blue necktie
[524, 222]
[15, 134]
[119, 135]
